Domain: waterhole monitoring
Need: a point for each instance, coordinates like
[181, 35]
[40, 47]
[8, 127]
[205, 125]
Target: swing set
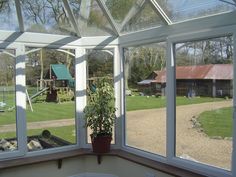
[5, 100]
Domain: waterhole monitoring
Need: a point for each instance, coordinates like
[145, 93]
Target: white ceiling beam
[139, 5]
[160, 12]
[107, 13]
[71, 17]
[19, 15]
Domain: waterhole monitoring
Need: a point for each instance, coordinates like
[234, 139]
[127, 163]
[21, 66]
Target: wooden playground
[57, 86]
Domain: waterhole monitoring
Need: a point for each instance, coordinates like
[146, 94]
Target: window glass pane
[50, 109]
[91, 19]
[120, 9]
[184, 10]
[8, 16]
[8, 136]
[99, 64]
[146, 18]
[204, 83]
[145, 80]
[46, 17]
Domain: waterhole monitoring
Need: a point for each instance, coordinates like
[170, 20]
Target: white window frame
[20, 101]
[194, 166]
[77, 101]
[156, 157]
[171, 109]
[117, 88]
[18, 41]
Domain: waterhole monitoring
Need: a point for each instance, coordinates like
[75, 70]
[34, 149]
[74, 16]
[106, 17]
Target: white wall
[110, 165]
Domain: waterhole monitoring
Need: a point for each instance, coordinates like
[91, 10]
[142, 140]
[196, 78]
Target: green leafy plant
[100, 110]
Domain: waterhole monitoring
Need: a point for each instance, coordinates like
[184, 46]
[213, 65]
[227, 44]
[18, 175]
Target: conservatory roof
[103, 17]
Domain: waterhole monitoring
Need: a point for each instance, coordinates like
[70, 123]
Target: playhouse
[58, 84]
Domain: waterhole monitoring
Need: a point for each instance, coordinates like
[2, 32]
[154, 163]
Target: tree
[142, 61]
[46, 16]
[119, 8]
[100, 63]
[7, 66]
[211, 51]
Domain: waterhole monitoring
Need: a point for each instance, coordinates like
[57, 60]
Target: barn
[214, 80]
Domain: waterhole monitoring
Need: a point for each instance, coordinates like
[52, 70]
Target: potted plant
[100, 114]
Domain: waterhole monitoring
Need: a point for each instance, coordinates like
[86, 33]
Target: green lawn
[67, 133]
[142, 102]
[42, 111]
[53, 111]
[218, 122]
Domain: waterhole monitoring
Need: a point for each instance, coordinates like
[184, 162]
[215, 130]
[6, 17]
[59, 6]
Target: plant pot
[101, 144]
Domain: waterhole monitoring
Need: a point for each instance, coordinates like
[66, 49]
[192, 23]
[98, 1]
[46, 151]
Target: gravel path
[147, 130]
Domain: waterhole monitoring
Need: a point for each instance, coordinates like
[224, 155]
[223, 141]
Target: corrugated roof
[212, 71]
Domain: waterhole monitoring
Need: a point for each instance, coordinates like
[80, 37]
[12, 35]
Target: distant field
[218, 122]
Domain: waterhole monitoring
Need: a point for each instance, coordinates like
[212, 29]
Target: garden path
[147, 131]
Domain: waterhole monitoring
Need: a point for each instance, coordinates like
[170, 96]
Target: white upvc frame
[19, 101]
[81, 94]
[117, 87]
[171, 105]
[234, 107]
[76, 108]
[71, 17]
[185, 31]
[19, 15]
[187, 27]
[135, 9]
[18, 41]
[161, 12]
[194, 166]
[125, 147]
[118, 78]
[107, 13]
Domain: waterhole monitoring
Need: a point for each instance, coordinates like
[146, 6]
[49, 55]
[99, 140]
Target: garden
[44, 111]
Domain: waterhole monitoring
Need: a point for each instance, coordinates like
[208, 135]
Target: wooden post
[213, 88]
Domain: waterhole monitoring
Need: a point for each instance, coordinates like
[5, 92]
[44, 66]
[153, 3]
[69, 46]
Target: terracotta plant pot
[101, 144]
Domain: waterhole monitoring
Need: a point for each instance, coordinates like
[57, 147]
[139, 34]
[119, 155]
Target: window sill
[169, 169]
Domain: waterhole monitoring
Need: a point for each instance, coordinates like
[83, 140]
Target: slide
[38, 93]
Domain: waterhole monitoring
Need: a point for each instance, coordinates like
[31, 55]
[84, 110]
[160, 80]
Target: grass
[142, 102]
[218, 122]
[52, 111]
[67, 133]
[42, 112]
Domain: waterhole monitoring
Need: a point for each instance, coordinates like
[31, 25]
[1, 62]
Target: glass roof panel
[46, 16]
[91, 19]
[146, 18]
[122, 9]
[182, 10]
[8, 16]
